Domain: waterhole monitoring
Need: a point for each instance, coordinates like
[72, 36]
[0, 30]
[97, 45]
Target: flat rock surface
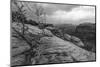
[58, 45]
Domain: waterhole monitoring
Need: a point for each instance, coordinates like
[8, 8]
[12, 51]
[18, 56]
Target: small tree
[39, 13]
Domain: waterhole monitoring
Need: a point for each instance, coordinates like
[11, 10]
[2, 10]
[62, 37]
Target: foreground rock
[53, 49]
[18, 46]
[73, 39]
[55, 44]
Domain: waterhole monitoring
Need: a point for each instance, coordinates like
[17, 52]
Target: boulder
[34, 30]
[77, 41]
[74, 40]
[47, 33]
[67, 37]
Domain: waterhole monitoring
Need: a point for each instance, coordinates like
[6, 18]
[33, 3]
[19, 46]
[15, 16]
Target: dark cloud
[54, 7]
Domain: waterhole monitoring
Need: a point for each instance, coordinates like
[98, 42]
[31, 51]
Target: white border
[5, 33]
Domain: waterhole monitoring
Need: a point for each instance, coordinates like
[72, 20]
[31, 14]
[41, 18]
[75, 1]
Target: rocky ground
[51, 48]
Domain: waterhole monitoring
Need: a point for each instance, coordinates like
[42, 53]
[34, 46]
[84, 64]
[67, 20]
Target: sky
[63, 13]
